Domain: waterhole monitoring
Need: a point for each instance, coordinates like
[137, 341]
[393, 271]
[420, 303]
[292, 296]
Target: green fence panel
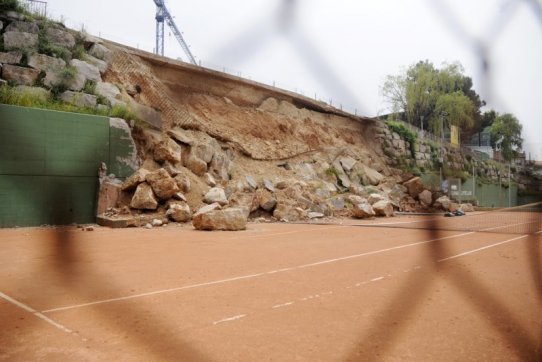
[487, 195]
[52, 200]
[49, 164]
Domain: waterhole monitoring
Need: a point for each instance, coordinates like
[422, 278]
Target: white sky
[342, 50]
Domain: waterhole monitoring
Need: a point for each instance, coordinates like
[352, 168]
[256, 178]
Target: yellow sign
[454, 135]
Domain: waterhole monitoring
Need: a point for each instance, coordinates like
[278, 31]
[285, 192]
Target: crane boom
[163, 15]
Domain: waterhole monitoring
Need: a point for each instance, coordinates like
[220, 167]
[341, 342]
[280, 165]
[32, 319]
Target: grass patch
[8, 95]
[90, 87]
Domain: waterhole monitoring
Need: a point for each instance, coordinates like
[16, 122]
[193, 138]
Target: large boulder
[221, 165]
[143, 198]
[14, 40]
[183, 182]
[107, 90]
[203, 151]
[20, 75]
[347, 163]
[134, 180]
[60, 37]
[216, 194]
[163, 185]
[79, 99]
[426, 198]
[196, 165]
[466, 207]
[98, 63]
[414, 186]
[179, 212]
[246, 201]
[101, 52]
[266, 200]
[363, 210]
[227, 220]
[167, 150]
[289, 213]
[44, 62]
[369, 176]
[14, 57]
[86, 70]
[383, 208]
[23, 27]
[207, 208]
[443, 203]
[374, 198]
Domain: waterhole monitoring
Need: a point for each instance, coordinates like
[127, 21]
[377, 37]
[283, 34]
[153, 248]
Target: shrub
[67, 75]
[103, 100]
[45, 46]
[78, 52]
[90, 87]
[405, 133]
[332, 171]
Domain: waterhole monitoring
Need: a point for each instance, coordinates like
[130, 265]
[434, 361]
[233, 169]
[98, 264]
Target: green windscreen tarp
[49, 164]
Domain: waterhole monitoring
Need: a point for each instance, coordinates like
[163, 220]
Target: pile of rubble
[189, 176]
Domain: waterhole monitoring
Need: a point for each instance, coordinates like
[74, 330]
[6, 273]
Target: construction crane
[163, 16]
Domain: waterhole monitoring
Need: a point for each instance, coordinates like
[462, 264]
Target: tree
[435, 96]
[506, 134]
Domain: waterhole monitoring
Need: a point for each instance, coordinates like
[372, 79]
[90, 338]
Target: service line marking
[230, 319]
[251, 276]
[35, 312]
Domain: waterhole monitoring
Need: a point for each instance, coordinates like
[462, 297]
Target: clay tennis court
[275, 292]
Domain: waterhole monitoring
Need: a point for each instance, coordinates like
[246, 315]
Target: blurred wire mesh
[285, 23]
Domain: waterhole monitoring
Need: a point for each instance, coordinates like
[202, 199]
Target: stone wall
[430, 155]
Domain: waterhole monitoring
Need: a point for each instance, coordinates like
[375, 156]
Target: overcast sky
[342, 50]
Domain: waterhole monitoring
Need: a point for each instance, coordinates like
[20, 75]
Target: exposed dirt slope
[265, 124]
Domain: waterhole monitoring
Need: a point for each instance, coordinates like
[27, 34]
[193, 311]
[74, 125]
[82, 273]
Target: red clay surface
[275, 292]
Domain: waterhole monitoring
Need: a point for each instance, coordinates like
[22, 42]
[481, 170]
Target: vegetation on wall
[17, 97]
[405, 133]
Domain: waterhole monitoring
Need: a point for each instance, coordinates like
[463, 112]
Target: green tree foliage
[438, 96]
[506, 134]
[9, 5]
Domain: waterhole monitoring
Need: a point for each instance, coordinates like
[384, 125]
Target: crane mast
[163, 16]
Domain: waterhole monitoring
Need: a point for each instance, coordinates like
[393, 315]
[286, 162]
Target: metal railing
[35, 7]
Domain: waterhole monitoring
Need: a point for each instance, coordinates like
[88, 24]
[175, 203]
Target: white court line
[482, 248]
[231, 319]
[35, 312]
[381, 251]
[153, 293]
[223, 281]
[282, 305]
[287, 233]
